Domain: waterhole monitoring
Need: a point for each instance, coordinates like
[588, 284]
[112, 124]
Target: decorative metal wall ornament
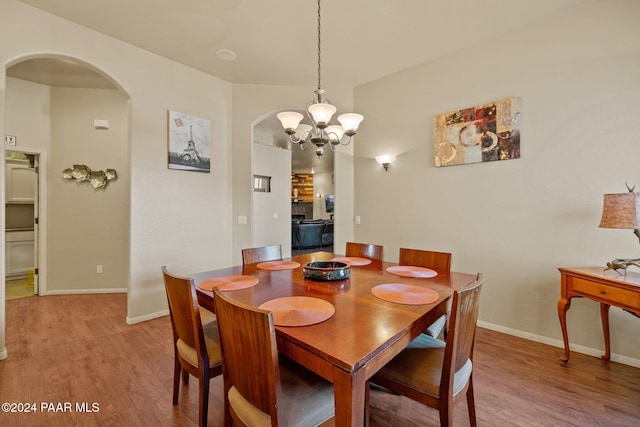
[82, 173]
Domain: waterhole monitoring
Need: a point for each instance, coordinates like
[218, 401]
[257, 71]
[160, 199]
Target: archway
[318, 174]
[73, 113]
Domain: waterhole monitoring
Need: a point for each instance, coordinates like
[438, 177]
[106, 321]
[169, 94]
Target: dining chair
[435, 373]
[260, 388]
[364, 250]
[261, 254]
[196, 342]
[429, 259]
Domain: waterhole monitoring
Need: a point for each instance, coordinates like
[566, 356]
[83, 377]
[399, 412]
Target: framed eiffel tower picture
[189, 142]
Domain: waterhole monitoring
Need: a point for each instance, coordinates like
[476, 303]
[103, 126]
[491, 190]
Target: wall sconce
[622, 211]
[385, 160]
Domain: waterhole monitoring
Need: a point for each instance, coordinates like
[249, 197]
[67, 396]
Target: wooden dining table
[363, 334]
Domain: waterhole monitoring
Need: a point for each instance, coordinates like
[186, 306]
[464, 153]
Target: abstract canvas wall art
[483, 133]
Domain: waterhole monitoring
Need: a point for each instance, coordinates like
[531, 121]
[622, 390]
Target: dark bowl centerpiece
[326, 270]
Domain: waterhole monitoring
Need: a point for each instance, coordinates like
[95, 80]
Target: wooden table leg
[604, 314]
[564, 305]
[349, 396]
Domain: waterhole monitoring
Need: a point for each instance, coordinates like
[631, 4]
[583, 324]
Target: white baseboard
[151, 316]
[129, 320]
[560, 344]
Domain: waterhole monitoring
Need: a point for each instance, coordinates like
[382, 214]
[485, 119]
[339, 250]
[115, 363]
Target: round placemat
[412, 271]
[353, 260]
[299, 311]
[229, 283]
[278, 265]
[405, 294]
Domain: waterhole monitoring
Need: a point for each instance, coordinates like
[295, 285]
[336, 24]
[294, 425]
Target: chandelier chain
[319, 86]
[321, 132]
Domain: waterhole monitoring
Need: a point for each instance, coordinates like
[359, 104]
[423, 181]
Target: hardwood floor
[77, 349]
[17, 288]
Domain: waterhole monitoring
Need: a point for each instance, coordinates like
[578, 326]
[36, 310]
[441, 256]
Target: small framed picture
[189, 142]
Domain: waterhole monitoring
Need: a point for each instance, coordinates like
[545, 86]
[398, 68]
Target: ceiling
[276, 41]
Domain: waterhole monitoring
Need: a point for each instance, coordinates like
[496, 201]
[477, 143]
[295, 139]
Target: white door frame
[40, 208]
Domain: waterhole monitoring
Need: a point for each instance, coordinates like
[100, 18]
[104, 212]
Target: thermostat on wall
[101, 124]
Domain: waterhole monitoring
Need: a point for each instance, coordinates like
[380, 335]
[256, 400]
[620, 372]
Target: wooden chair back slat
[261, 254]
[364, 250]
[428, 259]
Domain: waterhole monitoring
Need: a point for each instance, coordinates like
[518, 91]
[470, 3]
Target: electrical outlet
[99, 269]
[357, 219]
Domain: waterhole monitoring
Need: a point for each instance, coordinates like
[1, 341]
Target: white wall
[323, 185]
[272, 211]
[181, 219]
[88, 227]
[516, 220]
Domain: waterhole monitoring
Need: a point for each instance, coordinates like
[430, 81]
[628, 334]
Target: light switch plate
[101, 124]
[9, 140]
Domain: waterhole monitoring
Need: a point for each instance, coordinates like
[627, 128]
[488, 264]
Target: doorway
[21, 223]
[276, 215]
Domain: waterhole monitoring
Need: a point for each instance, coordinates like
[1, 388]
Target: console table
[607, 287]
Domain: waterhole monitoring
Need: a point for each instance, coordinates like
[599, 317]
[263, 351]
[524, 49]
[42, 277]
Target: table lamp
[622, 210]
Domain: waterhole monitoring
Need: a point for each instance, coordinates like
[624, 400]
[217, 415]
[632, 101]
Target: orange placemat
[228, 283]
[411, 271]
[405, 294]
[353, 260]
[278, 265]
[299, 311]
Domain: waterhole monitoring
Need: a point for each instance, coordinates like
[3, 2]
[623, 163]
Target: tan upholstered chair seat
[212, 342]
[206, 316]
[436, 327]
[306, 399]
[424, 355]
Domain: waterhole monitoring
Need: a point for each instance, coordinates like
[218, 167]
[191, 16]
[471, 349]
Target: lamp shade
[385, 158]
[621, 210]
[350, 122]
[322, 113]
[290, 119]
[302, 131]
[335, 133]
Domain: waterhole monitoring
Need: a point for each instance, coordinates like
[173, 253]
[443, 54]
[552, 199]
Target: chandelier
[320, 111]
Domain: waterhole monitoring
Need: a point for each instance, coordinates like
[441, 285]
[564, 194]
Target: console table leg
[563, 306]
[604, 314]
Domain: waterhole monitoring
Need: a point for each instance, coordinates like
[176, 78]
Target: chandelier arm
[293, 139]
[300, 141]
